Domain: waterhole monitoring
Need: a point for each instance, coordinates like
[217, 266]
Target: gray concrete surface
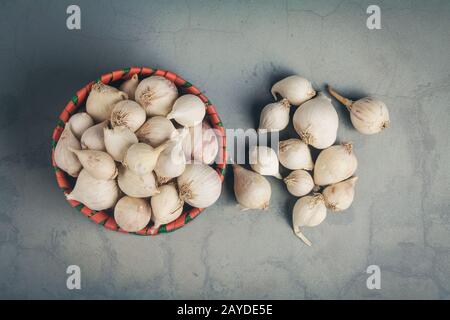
[234, 51]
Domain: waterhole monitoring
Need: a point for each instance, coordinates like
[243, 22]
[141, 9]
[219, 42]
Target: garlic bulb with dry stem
[188, 110]
[368, 115]
[264, 160]
[94, 193]
[155, 131]
[201, 144]
[166, 205]
[309, 211]
[316, 122]
[132, 214]
[199, 185]
[156, 95]
[251, 189]
[141, 158]
[128, 113]
[274, 116]
[118, 140]
[101, 101]
[295, 154]
[79, 123]
[335, 164]
[294, 88]
[93, 138]
[299, 183]
[340, 196]
[65, 159]
[138, 186]
[98, 164]
[129, 86]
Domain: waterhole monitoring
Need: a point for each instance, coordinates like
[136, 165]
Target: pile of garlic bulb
[327, 182]
[142, 150]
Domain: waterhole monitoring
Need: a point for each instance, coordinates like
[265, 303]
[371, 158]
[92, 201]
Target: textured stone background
[234, 51]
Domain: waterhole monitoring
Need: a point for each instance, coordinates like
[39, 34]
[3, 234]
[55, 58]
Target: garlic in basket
[79, 123]
[155, 131]
[129, 86]
[65, 159]
[93, 138]
[141, 158]
[201, 144]
[166, 205]
[138, 186]
[132, 214]
[156, 95]
[188, 110]
[101, 101]
[98, 164]
[118, 140]
[128, 113]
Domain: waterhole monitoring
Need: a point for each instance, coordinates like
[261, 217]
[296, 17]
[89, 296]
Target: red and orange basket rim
[106, 219]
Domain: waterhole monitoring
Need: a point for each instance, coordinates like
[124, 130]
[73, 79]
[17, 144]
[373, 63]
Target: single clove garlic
[339, 196]
[155, 131]
[132, 214]
[128, 113]
[141, 158]
[294, 88]
[129, 86]
[118, 140]
[274, 116]
[79, 123]
[295, 154]
[309, 211]
[138, 186]
[101, 101]
[264, 160]
[251, 189]
[166, 205]
[299, 183]
[100, 165]
[93, 138]
[188, 110]
[64, 158]
[156, 95]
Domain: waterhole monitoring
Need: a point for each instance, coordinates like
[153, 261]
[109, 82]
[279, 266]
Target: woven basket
[106, 218]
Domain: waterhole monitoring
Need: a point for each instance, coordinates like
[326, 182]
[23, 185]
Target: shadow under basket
[106, 217]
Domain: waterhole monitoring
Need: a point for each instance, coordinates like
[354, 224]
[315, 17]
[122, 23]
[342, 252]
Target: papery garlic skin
[264, 160]
[155, 131]
[138, 186]
[251, 189]
[294, 88]
[201, 144]
[129, 86]
[132, 214]
[118, 140]
[94, 193]
[98, 164]
[64, 158]
[340, 196]
[166, 205]
[101, 101]
[274, 116]
[188, 110]
[309, 211]
[295, 154]
[199, 185]
[299, 183]
[128, 113]
[316, 122]
[79, 123]
[335, 164]
[141, 158]
[93, 138]
[156, 95]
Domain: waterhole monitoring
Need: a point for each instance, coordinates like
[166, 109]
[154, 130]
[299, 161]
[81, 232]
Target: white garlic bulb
[155, 131]
[264, 160]
[132, 214]
[141, 158]
[294, 88]
[79, 123]
[156, 95]
[335, 164]
[274, 116]
[138, 186]
[251, 189]
[128, 113]
[98, 164]
[166, 205]
[309, 211]
[201, 144]
[65, 159]
[118, 140]
[93, 138]
[299, 183]
[295, 154]
[188, 110]
[94, 193]
[316, 122]
[368, 115]
[101, 101]
[199, 185]
[340, 196]
[129, 86]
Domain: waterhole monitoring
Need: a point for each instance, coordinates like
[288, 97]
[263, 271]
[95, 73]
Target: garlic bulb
[199, 185]
[65, 159]
[118, 140]
[94, 193]
[93, 138]
[138, 186]
[201, 144]
[299, 183]
[335, 164]
[264, 160]
[79, 123]
[188, 110]
[251, 189]
[368, 115]
[142, 158]
[156, 95]
[132, 214]
[101, 101]
[128, 113]
[274, 116]
[308, 211]
[98, 164]
[294, 88]
[155, 131]
[316, 122]
[294, 154]
[340, 196]
[130, 85]
[166, 205]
